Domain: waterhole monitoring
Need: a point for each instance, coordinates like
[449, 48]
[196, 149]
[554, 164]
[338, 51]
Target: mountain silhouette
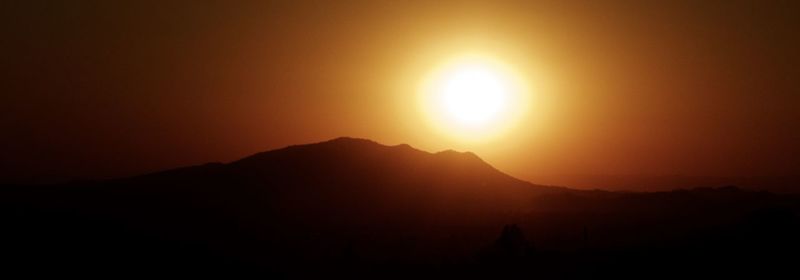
[302, 201]
[355, 206]
[353, 181]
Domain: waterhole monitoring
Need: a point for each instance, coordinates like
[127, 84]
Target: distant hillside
[641, 183]
[356, 205]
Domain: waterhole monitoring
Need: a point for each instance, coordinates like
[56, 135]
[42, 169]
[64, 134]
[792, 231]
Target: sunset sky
[99, 89]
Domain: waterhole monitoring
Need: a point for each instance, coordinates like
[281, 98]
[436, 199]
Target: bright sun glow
[472, 98]
[473, 94]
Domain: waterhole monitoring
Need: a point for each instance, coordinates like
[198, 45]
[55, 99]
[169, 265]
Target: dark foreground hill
[355, 207]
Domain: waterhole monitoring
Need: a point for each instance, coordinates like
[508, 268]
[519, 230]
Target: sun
[472, 98]
[473, 94]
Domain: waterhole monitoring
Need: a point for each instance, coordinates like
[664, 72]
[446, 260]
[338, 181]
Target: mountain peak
[454, 152]
[456, 155]
[352, 140]
[358, 154]
[361, 142]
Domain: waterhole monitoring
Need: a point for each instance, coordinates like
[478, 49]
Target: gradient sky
[98, 89]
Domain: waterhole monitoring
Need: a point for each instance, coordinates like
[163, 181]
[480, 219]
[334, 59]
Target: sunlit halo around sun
[472, 98]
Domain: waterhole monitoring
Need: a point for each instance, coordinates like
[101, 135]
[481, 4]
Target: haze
[95, 89]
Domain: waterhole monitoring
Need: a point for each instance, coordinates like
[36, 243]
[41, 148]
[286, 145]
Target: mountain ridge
[350, 142]
[355, 201]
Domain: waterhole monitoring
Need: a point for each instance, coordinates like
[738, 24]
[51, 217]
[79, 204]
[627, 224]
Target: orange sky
[97, 89]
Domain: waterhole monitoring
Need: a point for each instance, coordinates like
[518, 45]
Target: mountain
[301, 202]
[352, 181]
[355, 206]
